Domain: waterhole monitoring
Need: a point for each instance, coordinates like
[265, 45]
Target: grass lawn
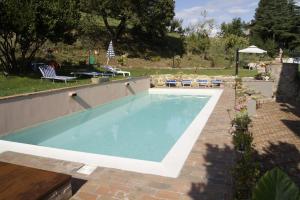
[208, 72]
[19, 85]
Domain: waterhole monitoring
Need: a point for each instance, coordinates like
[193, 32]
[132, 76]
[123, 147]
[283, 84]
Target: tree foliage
[276, 25]
[236, 27]
[198, 43]
[149, 16]
[198, 35]
[26, 25]
[176, 26]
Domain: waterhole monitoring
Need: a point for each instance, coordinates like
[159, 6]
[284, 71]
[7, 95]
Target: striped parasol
[110, 52]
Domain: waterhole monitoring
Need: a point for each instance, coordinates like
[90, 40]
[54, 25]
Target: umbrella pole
[237, 62]
[107, 61]
[236, 75]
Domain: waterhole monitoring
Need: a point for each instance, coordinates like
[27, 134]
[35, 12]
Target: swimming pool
[151, 132]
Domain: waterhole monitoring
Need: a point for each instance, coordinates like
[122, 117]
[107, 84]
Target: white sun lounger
[116, 71]
[92, 74]
[48, 72]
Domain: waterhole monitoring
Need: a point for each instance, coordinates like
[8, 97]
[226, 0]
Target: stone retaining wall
[286, 81]
[160, 80]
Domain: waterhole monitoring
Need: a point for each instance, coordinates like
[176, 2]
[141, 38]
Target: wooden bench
[25, 183]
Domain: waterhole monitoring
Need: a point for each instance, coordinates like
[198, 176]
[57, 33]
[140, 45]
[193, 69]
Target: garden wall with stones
[287, 83]
[160, 80]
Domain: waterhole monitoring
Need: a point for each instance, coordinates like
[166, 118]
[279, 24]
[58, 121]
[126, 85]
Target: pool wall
[22, 111]
[170, 166]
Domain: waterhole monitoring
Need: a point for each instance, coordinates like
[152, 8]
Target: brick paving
[205, 175]
[276, 132]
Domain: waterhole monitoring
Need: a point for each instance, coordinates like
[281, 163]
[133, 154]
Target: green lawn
[19, 85]
[209, 72]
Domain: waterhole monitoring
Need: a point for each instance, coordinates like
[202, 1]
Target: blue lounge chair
[116, 71]
[186, 83]
[203, 82]
[217, 83]
[48, 72]
[171, 83]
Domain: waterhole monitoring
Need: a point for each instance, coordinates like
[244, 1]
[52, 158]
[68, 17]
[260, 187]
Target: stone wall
[286, 81]
[26, 110]
[159, 80]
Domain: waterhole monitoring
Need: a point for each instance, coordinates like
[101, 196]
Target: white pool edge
[169, 167]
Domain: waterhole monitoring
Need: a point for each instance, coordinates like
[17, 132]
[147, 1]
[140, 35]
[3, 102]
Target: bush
[246, 170]
[245, 173]
[241, 121]
[242, 140]
[177, 61]
[156, 58]
[122, 60]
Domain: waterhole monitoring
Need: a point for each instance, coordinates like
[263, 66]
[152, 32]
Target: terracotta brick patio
[276, 131]
[205, 175]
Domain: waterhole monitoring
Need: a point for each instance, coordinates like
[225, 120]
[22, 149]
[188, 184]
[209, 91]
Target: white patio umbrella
[253, 49]
[110, 52]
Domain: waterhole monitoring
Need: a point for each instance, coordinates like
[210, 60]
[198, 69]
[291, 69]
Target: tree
[198, 41]
[236, 27]
[26, 25]
[154, 16]
[276, 25]
[176, 25]
[151, 16]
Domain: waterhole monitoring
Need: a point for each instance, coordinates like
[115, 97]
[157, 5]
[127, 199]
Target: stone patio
[205, 175]
[276, 131]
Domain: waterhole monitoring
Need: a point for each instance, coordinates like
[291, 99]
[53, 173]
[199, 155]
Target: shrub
[245, 174]
[246, 170]
[122, 60]
[242, 140]
[156, 58]
[241, 121]
[177, 61]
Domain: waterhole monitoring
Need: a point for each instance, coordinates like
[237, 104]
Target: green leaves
[26, 25]
[276, 25]
[276, 185]
[149, 16]
[236, 27]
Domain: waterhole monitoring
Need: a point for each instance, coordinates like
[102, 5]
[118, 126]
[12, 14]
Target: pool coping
[169, 167]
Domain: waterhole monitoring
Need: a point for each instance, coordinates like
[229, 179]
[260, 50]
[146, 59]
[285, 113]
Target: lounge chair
[202, 82]
[116, 71]
[186, 83]
[252, 66]
[49, 73]
[217, 83]
[171, 83]
[91, 74]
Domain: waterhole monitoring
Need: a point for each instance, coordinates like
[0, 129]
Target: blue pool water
[143, 126]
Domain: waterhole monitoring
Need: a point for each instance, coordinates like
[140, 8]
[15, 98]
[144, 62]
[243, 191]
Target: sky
[219, 10]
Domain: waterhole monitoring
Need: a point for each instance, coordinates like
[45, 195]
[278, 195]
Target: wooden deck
[24, 183]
